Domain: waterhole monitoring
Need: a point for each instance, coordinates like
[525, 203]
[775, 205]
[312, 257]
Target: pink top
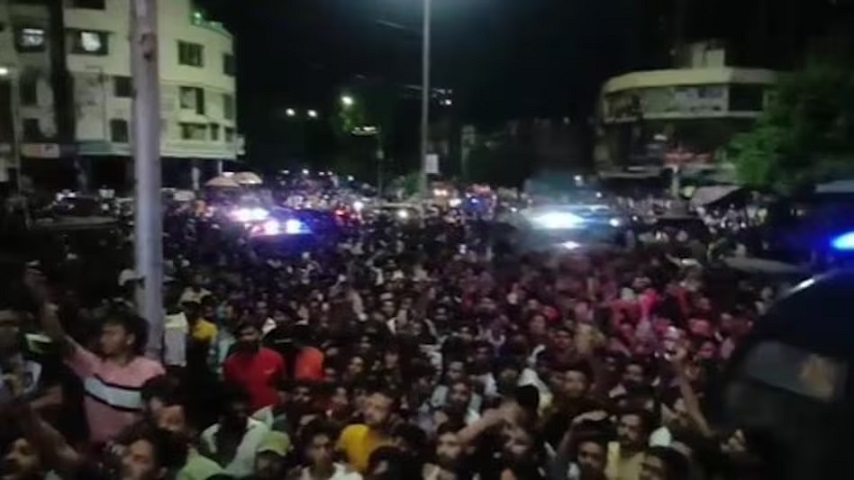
[113, 392]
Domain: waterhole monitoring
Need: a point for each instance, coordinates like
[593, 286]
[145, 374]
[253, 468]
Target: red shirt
[309, 364]
[258, 373]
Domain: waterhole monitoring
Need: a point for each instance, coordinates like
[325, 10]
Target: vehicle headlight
[294, 227]
[570, 245]
[558, 220]
[246, 215]
[271, 227]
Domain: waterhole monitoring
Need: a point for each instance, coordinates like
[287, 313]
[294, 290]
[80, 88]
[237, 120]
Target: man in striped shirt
[112, 379]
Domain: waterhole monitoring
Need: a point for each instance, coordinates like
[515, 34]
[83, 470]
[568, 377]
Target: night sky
[503, 58]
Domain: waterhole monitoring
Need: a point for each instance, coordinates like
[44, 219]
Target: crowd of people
[395, 355]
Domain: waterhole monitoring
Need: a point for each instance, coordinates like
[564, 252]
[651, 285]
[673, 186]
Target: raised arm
[692, 402]
[78, 358]
[50, 444]
[48, 316]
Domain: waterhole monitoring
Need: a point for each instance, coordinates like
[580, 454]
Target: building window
[229, 135]
[90, 4]
[122, 87]
[29, 90]
[746, 98]
[193, 98]
[191, 54]
[30, 39]
[194, 131]
[228, 65]
[32, 131]
[89, 42]
[214, 132]
[228, 106]
[119, 130]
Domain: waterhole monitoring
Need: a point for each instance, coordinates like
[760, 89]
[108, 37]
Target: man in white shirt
[234, 442]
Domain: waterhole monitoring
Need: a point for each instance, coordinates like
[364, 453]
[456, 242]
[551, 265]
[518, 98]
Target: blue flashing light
[844, 242]
[295, 227]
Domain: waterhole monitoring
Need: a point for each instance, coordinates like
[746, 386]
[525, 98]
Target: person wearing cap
[270, 458]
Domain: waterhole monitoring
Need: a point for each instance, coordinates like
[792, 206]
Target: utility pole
[148, 227]
[425, 98]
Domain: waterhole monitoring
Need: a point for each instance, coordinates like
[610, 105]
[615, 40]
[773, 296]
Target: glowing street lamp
[291, 112]
[347, 100]
[312, 114]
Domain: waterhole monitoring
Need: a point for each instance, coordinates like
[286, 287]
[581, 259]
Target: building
[87, 40]
[679, 114]
[684, 96]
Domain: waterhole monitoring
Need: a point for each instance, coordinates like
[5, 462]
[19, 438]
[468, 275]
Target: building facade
[89, 43]
[679, 114]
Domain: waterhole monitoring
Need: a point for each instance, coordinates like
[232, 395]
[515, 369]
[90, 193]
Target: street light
[291, 112]
[4, 71]
[347, 100]
[425, 97]
[312, 114]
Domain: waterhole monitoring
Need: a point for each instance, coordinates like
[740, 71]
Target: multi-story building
[88, 41]
[669, 114]
[684, 96]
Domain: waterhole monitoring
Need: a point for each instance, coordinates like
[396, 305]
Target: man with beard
[590, 458]
[234, 442]
[458, 407]
[626, 455]
[570, 400]
[22, 462]
[634, 378]
[450, 455]
[359, 441]
[255, 368]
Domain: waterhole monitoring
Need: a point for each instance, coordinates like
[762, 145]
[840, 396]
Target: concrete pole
[195, 174]
[148, 225]
[15, 103]
[425, 98]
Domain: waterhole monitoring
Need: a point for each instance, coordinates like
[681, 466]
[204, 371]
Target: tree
[805, 135]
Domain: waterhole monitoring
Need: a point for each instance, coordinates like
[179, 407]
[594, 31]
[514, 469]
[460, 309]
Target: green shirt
[198, 467]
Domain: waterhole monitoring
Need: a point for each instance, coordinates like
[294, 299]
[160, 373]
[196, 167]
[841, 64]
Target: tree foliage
[805, 134]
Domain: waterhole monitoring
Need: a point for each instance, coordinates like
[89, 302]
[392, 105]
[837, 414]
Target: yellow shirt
[358, 443]
[621, 467]
[204, 331]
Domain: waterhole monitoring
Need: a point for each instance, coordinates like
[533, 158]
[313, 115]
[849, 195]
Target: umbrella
[247, 178]
[223, 182]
